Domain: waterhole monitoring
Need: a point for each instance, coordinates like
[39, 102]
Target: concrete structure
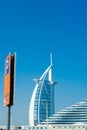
[42, 101]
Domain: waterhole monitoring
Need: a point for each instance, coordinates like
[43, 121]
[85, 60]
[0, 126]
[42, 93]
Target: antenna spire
[50, 71]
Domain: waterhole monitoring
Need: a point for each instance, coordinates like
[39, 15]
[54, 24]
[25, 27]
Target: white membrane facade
[42, 101]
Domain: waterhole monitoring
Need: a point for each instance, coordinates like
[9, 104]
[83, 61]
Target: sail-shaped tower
[42, 100]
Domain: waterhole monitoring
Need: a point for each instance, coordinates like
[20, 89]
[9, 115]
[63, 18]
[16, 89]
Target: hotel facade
[42, 101]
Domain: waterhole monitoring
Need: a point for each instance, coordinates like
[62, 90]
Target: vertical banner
[9, 80]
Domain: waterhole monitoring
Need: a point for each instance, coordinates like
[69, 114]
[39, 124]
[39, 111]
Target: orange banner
[7, 80]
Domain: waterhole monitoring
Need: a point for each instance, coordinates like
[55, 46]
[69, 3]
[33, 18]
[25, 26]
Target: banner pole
[9, 117]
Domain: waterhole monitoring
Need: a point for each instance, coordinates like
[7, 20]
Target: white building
[42, 102]
[41, 111]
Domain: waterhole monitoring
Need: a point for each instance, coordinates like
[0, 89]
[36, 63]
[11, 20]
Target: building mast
[50, 71]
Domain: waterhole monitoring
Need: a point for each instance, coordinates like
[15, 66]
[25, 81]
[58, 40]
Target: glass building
[74, 114]
[42, 100]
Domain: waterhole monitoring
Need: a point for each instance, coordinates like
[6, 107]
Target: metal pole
[9, 115]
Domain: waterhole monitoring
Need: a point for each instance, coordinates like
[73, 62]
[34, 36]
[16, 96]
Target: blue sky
[33, 29]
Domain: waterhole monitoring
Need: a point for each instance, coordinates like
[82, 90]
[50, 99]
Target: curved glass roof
[70, 115]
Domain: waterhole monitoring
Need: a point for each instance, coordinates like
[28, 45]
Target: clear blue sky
[33, 29]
